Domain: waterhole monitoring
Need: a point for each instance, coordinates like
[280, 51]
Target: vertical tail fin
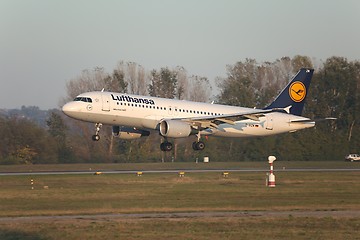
[294, 94]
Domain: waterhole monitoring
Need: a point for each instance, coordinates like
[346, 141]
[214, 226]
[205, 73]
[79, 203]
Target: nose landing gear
[96, 137]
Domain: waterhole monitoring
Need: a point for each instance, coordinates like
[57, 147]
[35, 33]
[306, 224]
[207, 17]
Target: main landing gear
[96, 137]
[166, 146]
[197, 145]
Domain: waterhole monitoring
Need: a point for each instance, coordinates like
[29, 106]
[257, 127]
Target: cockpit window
[83, 99]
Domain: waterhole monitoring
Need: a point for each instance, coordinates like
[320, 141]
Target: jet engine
[128, 133]
[175, 129]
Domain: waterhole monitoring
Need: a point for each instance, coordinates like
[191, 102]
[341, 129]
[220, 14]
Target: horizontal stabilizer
[311, 120]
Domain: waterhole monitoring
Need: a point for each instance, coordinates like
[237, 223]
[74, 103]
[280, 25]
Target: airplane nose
[70, 108]
[66, 108]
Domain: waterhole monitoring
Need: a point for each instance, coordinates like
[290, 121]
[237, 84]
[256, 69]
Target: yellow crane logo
[297, 91]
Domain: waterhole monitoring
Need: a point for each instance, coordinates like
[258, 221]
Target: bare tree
[183, 83]
[200, 90]
[134, 76]
[89, 80]
[141, 81]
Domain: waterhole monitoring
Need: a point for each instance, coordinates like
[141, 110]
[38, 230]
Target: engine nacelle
[175, 129]
[128, 133]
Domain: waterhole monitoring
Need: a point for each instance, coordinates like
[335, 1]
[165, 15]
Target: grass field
[196, 192]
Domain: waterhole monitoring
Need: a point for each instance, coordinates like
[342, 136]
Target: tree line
[334, 92]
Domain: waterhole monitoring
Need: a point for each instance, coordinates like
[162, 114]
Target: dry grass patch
[186, 228]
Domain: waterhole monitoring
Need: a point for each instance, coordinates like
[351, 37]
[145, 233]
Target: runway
[177, 171]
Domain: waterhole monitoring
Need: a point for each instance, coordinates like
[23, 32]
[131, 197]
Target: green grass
[125, 193]
[196, 192]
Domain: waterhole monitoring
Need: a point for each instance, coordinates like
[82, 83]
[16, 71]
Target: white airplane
[132, 116]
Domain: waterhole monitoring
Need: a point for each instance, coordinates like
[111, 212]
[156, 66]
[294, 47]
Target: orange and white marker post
[271, 180]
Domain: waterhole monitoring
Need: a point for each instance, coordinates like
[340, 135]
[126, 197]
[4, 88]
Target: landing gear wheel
[166, 146]
[198, 145]
[95, 138]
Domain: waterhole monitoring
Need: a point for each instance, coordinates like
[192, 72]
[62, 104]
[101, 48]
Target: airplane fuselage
[144, 112]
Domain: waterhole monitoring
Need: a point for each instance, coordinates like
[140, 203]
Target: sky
[46, 43]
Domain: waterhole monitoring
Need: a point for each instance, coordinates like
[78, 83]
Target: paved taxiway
[180, 170]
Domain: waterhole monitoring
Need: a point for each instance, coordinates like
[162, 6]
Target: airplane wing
[213, 121]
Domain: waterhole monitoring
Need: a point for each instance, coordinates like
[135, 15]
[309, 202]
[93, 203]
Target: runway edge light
[271, 176]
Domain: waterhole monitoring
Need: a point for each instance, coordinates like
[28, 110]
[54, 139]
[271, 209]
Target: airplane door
[269, 122]
[105, 102]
